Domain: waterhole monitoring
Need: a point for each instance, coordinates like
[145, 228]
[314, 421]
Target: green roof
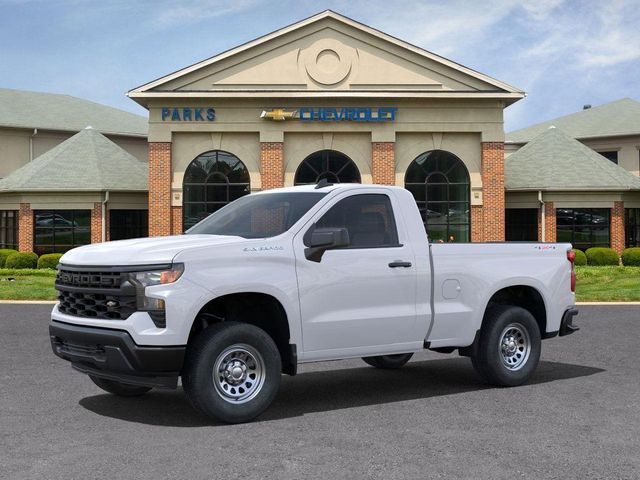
[51, 111]
[88, 161]
[555, 161]
[609, 120]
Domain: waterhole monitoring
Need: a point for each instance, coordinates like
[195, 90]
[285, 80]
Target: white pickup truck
[296, 275]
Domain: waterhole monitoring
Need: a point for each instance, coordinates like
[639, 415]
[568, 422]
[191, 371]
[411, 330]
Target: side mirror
[323, 239]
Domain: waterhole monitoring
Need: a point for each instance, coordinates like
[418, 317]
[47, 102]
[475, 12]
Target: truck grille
[94, 294]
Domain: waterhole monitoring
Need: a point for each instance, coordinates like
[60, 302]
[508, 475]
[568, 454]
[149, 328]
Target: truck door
[360, 295]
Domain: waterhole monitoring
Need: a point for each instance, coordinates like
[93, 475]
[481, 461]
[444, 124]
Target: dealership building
[331, 98]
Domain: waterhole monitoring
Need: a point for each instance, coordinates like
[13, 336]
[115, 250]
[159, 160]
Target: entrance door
[359, 296]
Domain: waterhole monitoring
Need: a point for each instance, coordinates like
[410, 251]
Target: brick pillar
[383, 163]
[476, 223]
[96, 223]
[159, 189]
[272, 164]
[25, 228]
[493, 191]
[549, 222]
[176, 221]
[617, 227]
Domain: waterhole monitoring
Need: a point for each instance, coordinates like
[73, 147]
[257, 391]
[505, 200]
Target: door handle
[399, 263]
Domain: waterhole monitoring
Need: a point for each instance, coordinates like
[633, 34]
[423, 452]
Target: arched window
[211, 181]
[336, 167]
[439, 181]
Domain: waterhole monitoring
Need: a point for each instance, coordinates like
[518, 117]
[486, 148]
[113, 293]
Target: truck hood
[141, 251]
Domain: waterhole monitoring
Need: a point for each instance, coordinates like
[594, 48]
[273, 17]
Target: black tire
[235, 403]
[515, 363]
[388, 361]
[120, 389]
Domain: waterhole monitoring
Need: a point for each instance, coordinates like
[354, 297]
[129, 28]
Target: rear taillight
[571, 256]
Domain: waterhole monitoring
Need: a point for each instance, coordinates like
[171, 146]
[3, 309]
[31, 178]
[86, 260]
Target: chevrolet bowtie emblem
[278, 114]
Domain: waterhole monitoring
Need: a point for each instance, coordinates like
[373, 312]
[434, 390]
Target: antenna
[323, 183]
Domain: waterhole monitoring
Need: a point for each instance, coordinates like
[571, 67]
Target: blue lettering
[165, 113]
[303, 112]
[198, 115]
[211, 114]
[186, 114]
[175, 115]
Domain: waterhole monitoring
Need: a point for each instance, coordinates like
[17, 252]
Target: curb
[28, 302]
[607, 303]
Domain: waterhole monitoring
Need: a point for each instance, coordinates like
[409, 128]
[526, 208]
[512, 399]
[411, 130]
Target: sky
[563, 53]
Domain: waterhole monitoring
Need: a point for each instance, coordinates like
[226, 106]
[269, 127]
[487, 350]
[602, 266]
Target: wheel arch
[260, 309]
[520, 295]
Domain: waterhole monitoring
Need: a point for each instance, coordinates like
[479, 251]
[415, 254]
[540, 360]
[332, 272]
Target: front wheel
[509, 346]
[118, 388]
[388, 361]
[232, 372]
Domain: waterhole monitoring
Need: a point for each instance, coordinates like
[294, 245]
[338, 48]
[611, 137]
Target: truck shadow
[327, 390]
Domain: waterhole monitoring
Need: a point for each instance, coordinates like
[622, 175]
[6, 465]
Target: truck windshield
[258, 216]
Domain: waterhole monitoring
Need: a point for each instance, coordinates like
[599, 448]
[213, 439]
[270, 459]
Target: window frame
[450, 186]
[44, 248]
[590, 227]
[326, 155]
[141, 227]
[629, 226]
[5, 230]
[206, 184]
[327, 208]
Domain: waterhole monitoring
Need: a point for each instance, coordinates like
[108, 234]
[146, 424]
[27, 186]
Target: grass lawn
[27, 284]
[607, 284]
[594, 284]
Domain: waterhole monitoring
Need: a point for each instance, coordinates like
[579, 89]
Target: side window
[368, 218]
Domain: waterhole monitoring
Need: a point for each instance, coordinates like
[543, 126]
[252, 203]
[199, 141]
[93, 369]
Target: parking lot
[578, 418]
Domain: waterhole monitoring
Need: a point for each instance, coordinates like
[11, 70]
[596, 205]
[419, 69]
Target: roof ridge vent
[88, 127]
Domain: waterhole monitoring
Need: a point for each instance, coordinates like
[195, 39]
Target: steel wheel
[514, 346]
[239, 373]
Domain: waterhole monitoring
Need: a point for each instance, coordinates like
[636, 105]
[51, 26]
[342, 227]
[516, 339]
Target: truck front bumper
[113, 355]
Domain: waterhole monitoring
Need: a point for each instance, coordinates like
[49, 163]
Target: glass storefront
[584, 227]
[57, 231]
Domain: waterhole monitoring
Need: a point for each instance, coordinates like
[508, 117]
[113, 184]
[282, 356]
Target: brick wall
[96, 223]
[272, 164]
[617, 227]
[159, 189]
[493, 191]
[383, 163]
[25, 228]
[476, 223]
[176, 221]
[550, 222]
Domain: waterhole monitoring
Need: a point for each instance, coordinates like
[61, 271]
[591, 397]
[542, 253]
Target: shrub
[49, 260]
[631, 257]
[600, 256]
[22, 260]
[4, 253]
[581, 258]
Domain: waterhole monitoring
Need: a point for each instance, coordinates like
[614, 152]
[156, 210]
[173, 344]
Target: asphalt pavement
[579, 417]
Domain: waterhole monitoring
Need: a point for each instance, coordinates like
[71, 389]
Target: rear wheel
[118, 388]
[388, 361]
[509, 346]
[232, 372]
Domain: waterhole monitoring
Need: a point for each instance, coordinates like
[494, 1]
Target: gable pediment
[326, 54]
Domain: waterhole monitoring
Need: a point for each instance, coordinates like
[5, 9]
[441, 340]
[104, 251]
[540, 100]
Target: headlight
[142, 280]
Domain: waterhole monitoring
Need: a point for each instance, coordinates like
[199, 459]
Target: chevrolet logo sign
[279, 114]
